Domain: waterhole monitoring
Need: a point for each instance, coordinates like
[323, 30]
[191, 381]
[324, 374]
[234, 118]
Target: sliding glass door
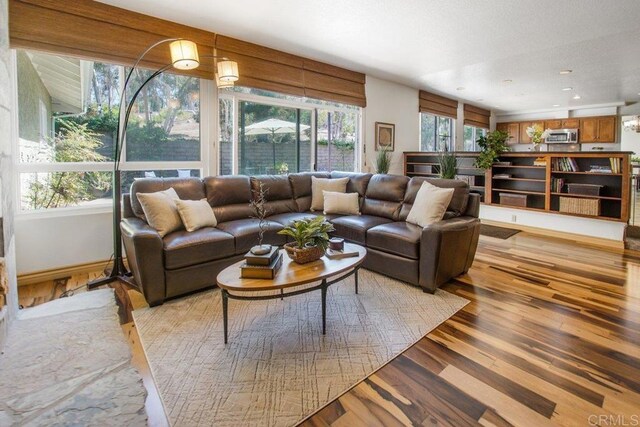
[273, 139]
[337, 140]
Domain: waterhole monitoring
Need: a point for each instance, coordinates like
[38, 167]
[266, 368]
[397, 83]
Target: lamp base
[117, 273]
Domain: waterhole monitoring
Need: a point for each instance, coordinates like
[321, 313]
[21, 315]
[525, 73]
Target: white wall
[390, 102]
[45, 242]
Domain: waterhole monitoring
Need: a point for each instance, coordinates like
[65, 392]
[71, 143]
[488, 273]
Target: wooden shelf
[587, 196]
[505, 190]
[519, 207]
[608, 218]
[423, 163]
[520, 179]
[520, 166]
[587, 173]
[422, 174]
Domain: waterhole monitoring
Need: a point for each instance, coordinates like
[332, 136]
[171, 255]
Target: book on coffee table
[333, 254]
[265, 259]
[248, 271]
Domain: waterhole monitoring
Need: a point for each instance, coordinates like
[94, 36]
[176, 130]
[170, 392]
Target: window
[436, 133]
[471, 135]
[277, 134]
[68, 115]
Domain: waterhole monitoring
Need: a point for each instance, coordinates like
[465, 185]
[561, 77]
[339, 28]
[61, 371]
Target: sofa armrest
[447, 249]
[144, 249]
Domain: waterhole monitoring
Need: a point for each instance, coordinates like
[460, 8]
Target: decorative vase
[261, 249]
[536, 147]
[303, 255]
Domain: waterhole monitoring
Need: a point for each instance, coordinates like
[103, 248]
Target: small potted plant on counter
[310, 239]
[491, 147]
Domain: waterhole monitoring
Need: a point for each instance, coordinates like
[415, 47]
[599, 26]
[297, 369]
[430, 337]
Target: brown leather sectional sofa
[183, 262]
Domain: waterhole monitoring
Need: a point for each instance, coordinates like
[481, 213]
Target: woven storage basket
[578, 206]
[305, 255]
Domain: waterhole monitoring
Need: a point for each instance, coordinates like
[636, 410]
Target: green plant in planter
[309, 232]
[383, 161]
[491, 147]
[448, 164]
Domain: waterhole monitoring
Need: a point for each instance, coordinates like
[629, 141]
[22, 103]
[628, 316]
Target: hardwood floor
[551, 337]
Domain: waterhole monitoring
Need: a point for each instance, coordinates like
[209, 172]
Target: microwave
[562, 136]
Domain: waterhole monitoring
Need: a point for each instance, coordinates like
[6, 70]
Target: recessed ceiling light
[576, 97]
[479, 99]
[566, 89]
[460, 88]
[556, 105]
[566, 71]
[507, 81]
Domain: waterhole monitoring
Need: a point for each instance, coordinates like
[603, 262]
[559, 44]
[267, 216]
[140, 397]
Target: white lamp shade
[223, 84]
[184, 55]
[228, 71]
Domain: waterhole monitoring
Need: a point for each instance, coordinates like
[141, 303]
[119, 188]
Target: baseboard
[59, 273]
[589, 240]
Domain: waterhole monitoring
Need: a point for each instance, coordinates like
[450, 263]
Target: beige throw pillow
[161, 211]
[341, 203]
[319, 185]
[196, 214]
[430, 205]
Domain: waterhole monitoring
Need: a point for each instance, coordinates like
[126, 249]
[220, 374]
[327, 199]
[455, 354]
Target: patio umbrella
[273, 127]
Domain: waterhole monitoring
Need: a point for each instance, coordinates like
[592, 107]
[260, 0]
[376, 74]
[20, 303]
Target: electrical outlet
[514, 218]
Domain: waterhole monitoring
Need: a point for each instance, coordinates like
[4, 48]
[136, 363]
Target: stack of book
[502, 176]
[565, 164]
[261, 266]
[616, 164]
[540, 161]
[345, 253]
[600, 169]
[556, 185]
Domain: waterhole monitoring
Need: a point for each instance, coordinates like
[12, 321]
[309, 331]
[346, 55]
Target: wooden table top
[291, 273]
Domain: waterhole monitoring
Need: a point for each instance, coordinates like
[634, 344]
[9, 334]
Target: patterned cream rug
[278, 368]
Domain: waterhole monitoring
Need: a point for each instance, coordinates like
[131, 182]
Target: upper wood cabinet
[524, 138]
[562, 124]
[513, 129]
[598, 129]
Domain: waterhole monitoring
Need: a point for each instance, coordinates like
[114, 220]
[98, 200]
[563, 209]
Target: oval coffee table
[290, 275]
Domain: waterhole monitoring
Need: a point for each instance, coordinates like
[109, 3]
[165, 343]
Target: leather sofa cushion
[279, 195]
[183, 248]
[354, 227]
[398, 238]
[301, 188]
[384, 196]
[186, 188]
[246, 232]
[457, 206]
[229, 196]
[357, 181]
[287, 218]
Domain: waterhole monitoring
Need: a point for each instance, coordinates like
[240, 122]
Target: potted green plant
[448, 165]
[492, 145]
[310, 239]
[383, 161]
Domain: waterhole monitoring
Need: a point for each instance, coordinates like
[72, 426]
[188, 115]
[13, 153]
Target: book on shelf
[616, 164]
[265, 259]
[261, 271]
[540, 161]
[600, 169]
[564, 164]
[502, 175]
[557, 184]
[333, 254]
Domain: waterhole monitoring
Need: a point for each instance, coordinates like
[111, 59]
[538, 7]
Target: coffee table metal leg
[225, 303]
[324, 306]
[356, 279]
[281, 294]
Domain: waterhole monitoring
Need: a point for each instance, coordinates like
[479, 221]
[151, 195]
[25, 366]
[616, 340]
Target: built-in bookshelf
[563, 183]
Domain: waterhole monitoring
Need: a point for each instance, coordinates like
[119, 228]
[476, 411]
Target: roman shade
[438, 105]
[475, 116]
[93, 30]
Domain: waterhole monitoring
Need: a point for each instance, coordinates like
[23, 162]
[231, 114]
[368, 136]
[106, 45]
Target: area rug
[497, 232]
[278, 368]
[66, 362]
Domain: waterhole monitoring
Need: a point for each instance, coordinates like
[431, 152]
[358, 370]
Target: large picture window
[262, 132]
[471, 135]
[436, 133]
[68, 113]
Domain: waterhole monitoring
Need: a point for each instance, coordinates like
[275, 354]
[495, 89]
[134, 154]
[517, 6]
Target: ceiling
[443, 45]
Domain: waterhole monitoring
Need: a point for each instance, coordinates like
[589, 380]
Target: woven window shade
[93, 30]
[438, 105]
[478, 117]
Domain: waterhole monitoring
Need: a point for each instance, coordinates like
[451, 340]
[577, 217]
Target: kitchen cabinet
[598, 129]
[562, 124]
[513, 129]
[524, 138]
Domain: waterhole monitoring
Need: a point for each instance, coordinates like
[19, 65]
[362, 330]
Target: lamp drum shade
[184, 55]
[228, 71]
[223, 84]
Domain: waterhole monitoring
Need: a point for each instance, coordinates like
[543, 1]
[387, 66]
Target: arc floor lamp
[184, 56]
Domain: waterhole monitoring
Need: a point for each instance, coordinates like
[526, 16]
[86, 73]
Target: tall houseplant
[383, 161]
[310, 239]
[491, 146]
[448, 165]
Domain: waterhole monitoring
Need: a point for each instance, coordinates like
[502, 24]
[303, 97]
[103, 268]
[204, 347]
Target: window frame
[207, 92]
[451, 145]
[474, 135]
[306, 104]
